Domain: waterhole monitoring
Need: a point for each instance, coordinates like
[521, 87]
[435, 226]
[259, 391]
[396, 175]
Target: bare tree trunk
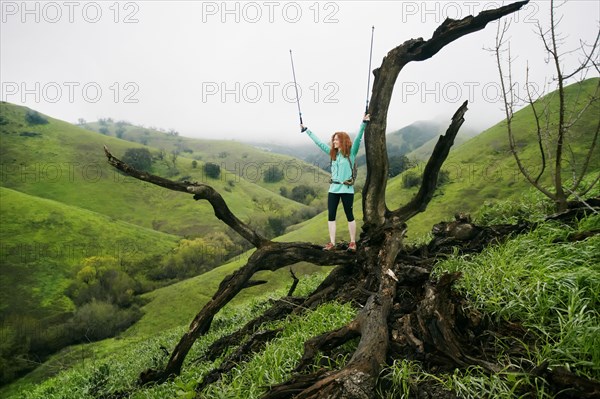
[559, 192]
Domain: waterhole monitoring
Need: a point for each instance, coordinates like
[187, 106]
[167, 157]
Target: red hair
[345, 145]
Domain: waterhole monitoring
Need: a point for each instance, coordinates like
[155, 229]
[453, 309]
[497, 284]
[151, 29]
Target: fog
[222, 70]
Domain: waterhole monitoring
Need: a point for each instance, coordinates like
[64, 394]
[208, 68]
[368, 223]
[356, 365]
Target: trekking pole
[296, 86]
[369, 79]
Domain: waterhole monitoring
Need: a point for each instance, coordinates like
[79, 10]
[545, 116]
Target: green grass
[127, 359]
[44, 241]
[551, 288]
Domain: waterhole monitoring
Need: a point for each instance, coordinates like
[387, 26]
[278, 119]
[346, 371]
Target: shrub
[273, 174]
[443, 177]
[196, 256]
[139, 158]
[13, 350]
[34, 118]
[277, 225]
[303, 194]
[99, 320]
[411, 179]
[398, 164]
[212, 170]
[99, 279]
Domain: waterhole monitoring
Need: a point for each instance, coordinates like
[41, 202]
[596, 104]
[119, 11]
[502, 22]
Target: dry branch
[440, 153]
[200, 191]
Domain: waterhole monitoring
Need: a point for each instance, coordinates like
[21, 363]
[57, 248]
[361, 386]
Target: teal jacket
[340, 168]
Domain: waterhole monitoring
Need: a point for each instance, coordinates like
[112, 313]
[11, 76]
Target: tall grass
[541, 280]
[552, 288]
[119, 371]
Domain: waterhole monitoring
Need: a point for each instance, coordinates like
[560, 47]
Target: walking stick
[369, 78]
[296, 86]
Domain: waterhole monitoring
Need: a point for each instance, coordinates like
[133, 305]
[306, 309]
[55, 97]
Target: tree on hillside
[212, 170]
[35, 118]
[273, 174]
[119, 132]
[554, 124]
[173, 157]
[398, 164]
[138, 158]
[403, 311]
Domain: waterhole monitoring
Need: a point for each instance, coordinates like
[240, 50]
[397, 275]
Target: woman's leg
[331, 226]
[352, 230]
[333, 201]
[348, 203]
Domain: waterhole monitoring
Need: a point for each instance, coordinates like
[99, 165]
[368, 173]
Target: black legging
[333, 201]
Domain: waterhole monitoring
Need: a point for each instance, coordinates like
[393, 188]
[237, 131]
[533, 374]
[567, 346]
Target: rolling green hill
[483, 168]
[43, 241]
[61, 205]
[66, 163]
[244, 161]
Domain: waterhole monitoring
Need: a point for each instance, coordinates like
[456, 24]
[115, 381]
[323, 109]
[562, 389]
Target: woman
[342, 153]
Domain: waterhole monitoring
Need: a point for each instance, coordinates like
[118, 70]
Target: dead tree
[553, 126]
[373, 274]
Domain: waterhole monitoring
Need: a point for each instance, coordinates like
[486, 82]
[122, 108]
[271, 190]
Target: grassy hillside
[483, 168]
[43, 241]
[61, 205]
[245, 161]
[552, 290]
[66, 163]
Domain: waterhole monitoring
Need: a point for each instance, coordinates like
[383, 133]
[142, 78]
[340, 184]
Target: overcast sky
[222, 70]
